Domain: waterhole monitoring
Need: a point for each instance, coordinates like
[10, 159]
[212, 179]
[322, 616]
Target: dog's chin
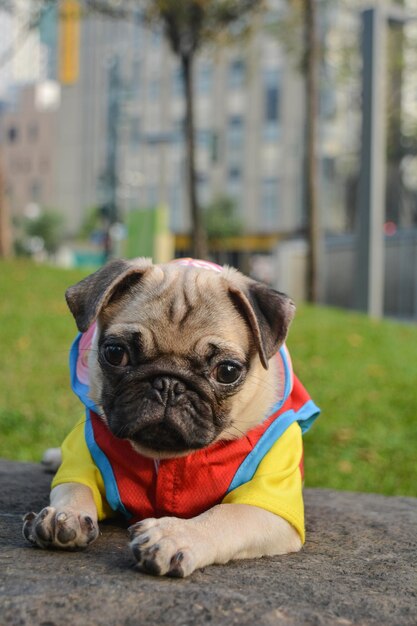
[155, 443]
[152, 453]
[160, 441]
[163, 439]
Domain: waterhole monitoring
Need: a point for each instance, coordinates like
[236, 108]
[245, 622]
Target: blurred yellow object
[164, 244]
[69, 41]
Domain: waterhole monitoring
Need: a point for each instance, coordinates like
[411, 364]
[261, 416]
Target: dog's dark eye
[116, 355]
[227, 372]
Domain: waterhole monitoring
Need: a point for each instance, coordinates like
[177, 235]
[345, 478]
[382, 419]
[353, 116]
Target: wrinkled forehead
[180, 307]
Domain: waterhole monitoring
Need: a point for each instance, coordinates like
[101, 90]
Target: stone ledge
[358, 567]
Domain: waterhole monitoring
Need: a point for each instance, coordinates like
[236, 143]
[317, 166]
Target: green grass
[362, 373]
[36, 329]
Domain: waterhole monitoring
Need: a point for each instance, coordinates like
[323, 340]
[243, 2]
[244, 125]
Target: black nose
[168, 390]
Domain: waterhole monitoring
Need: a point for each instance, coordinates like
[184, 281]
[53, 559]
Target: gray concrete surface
[359, 566]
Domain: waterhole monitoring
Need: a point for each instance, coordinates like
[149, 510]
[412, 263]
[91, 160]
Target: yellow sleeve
[78, 467]
[277, 483]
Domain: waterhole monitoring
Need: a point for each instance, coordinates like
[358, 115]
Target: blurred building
[249, 131]
[29, 133]
[117, 134]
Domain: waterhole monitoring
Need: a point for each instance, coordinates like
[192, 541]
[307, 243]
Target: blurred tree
[298, 32]
[91, 223]
[48, 227]
[220, 218]
[310, 72]
[189, 25]
[5, 228]
[401, 201]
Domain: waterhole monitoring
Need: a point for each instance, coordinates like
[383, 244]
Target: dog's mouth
[158, 421]
[165, 438]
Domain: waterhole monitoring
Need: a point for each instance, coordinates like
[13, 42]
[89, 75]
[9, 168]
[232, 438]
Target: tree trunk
[311, 105]
[396, 204]
[198, 234]
[5, 229]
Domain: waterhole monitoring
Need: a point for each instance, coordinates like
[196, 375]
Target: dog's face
[181, 354]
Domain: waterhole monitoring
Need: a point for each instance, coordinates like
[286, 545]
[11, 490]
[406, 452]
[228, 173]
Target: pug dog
[194, 418]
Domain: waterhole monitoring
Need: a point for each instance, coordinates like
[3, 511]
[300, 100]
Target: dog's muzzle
[168, 391]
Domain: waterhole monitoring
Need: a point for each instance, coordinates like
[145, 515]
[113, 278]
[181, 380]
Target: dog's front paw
[166, 546]
[66, 528]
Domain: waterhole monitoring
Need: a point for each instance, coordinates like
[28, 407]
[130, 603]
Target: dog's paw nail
[89, 522]
[61, 518]
[92, 529]
[141, 540]
[175, 569]
[27, 527]
[135, 527]
[137, 553]
[149, 564]
[177, 558]
[44, 513]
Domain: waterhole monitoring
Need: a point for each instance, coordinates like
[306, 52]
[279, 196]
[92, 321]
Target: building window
[178, 131]
[137, 30]
[175, 200]
[136, 76]
[152, 196]
[35, 191]
[204, 138]
[203, 188]
[235, 133]
[329, 168]
[156, 36]
[328, 107]
[204, 79]
[135, 131]
[12, 134]
[215, 147]
[154, 89]
[178, 82]
[269, 203]
[237, 74]
[272, 104]
[234, 182]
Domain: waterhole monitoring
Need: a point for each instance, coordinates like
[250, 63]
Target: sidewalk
[358, 567]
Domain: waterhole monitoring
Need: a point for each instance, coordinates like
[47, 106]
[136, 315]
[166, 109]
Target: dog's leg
[69, 522]
[176, 547]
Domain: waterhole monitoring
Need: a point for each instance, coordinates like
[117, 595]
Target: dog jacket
[263, 468]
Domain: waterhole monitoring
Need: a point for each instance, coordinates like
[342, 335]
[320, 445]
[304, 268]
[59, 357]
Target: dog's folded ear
[88, 297]
[268, 313]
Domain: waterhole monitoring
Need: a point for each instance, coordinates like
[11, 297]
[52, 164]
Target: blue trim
[106, 470]
[287, 377]
[78, 387]
[287, 382]
[100, 459]
[305, 417]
